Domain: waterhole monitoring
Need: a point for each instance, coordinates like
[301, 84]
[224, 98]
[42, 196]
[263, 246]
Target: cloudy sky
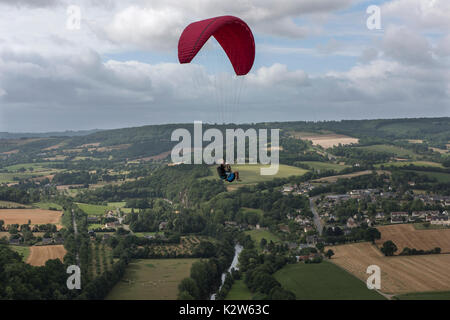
[315, 60]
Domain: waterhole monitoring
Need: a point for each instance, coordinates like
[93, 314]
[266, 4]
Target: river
[237, 251]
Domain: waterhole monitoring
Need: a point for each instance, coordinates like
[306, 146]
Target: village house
[380, 216]
[431, 215]
[419, 215]
[312, 240]
[93, 219]
[110, 214]
[47, 240]
[111, 225]
[58, 240]
[399, 217]
[351, 223]
[163, 225]
[287, 189]
[338, 197]
[302, 221]
[332, 218]
[15, 241]
[440, 220]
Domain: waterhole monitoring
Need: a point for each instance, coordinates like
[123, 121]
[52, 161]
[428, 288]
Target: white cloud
[146, 28]
[278, 75]
[443, 47]
[407, 46]
[31, 3]
[66, 79]
[158, 24]
[419, 13]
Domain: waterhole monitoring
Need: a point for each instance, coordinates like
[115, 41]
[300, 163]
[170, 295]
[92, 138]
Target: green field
[257, 235]
[16, 176]
[120, 204]
[152, 279]
[398, 151]
[47, 205]
[250, 173]
[13, 174]
[143, 234]
[38, 166]
[259, 212]
[93, 209]
[24, 251]
[10, 205]
[93, 226]
[438, 295]
[421, 226]
[407, 163]
[324, 165]
[11, 177]
[239, 291]
[323, 281]
[439, 176]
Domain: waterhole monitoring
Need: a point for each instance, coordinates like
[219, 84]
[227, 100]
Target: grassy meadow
[47, 205]
[437, 295]
[239, 291]
[323, 281]
[250, 173]
[398, 151]
[151, 279]
[93, 209]
[317, 165]
[257, 235]
[24, 251]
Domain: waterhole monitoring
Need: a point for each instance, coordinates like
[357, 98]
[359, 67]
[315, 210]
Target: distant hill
[21, 135]
[154, 140]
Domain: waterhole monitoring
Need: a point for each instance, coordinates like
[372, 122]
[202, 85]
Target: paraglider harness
[225, 173]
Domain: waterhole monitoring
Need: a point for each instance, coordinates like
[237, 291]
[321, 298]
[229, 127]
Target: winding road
[317, 221]
[75, 229]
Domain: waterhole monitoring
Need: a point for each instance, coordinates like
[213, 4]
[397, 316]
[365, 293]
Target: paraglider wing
[233, 35]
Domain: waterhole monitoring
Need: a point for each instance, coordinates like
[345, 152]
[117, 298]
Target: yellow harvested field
[37, 216]
[54, 147]
[330, 140]
[40, 254]
[160, 156]
[441, 151]
[405, 235]
[11, 152]
[400, 274]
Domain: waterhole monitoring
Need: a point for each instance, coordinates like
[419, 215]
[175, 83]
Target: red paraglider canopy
[232, 33]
